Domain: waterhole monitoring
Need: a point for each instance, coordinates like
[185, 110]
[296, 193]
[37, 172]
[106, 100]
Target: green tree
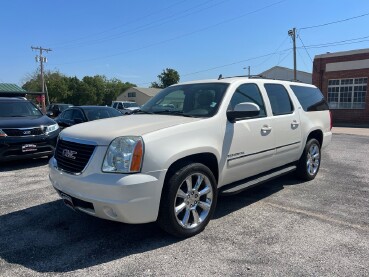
[167, 78]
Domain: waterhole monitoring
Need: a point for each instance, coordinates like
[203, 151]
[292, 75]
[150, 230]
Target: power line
[334, 22]
[147, 26]
[305, 48]
[121, 25]
[177, 37]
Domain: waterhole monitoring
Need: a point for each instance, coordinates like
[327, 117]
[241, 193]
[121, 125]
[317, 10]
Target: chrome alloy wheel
[313, 159]
[193, 201]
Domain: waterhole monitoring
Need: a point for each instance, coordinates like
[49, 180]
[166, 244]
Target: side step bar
[240, 186]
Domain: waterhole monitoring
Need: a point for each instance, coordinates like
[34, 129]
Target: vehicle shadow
[23, 164]
[229, 204]
[51, 238]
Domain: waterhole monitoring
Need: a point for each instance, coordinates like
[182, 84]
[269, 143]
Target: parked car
[168, 164]
[80, 114]
[125, 107]
[25, 132]
[53, 110]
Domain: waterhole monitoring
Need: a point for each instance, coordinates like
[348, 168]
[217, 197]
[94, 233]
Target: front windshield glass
[18, 109]
[130, 105]
[197, 100]
[100, 113]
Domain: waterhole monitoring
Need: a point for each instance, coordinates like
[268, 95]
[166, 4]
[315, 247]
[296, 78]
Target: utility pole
[248, 70]
[42, 60]
[292, 34]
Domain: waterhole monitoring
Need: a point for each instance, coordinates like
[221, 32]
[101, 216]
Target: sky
[134, 41]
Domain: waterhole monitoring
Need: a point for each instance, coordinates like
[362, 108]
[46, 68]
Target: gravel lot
[282, 228]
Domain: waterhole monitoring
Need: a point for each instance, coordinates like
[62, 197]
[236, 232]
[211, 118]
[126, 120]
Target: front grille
[73, 157]
[24, 132]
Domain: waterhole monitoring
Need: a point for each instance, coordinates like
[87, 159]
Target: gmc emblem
[69, 154]
[26, 132]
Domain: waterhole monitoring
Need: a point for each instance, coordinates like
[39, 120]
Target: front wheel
[309, 163]
[188, 200]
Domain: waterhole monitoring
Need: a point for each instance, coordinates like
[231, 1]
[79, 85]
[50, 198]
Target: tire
[188, 200]
[309, 163]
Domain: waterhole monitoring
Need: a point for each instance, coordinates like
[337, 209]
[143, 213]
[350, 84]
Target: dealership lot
[281, 228]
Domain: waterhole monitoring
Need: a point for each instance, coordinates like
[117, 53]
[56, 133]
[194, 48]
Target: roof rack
[256, 77]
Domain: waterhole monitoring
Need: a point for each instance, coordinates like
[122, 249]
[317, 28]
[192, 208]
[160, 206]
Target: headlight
[124, 155]
[2, 133]
[51, 128]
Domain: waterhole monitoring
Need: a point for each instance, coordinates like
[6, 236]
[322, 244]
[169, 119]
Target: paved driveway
[282, 228]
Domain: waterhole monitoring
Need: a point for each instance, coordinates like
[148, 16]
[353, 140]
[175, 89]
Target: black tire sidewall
[301, 167]
[167, 218]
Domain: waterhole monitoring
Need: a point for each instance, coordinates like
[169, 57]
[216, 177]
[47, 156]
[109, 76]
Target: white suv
[125, 107]
[169, 161]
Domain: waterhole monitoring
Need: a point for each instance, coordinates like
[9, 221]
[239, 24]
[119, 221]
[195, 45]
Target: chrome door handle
[295, 123]
[266, 128]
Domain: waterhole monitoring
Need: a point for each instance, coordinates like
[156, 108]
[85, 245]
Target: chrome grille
[72, 156]
[13, 132]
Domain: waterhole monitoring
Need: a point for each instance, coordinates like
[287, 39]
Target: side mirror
[78, 120]
[49, 114]
[243, 110]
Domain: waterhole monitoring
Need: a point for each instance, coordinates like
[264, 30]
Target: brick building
[343, 79]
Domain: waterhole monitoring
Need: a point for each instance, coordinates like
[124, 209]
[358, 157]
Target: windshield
[18, 109]
[64, 107]
[130, 105]
[197, 100]
[100, 113]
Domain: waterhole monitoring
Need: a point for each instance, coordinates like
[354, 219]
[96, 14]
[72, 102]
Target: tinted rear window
[279, 99]
[310, 98]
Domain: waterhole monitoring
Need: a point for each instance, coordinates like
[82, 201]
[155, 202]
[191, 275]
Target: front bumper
[11, 147]
[128, 198]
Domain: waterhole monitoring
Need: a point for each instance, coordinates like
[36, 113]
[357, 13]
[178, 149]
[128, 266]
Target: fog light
[110, 212]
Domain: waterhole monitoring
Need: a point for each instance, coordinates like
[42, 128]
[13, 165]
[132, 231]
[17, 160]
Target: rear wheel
[188, 200]
[309, 163]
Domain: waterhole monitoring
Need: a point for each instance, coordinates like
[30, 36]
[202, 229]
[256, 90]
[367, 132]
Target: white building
[138, 95]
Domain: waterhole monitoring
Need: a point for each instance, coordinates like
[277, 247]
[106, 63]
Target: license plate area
[29, 148]
[68, 201]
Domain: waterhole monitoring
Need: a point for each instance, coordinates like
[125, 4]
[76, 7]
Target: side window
[68, 115]
[115, 105]
[310, 98]
[78, 114]
[279, 99]
[248, 93]
[120, 106]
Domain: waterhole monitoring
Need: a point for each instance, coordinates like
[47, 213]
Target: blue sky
[135, 40]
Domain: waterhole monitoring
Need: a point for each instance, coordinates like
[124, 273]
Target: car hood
[103, 131]
[133, 108]
[25, 122]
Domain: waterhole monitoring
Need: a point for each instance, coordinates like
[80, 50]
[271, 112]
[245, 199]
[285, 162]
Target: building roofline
[342, 53]
[286, 68]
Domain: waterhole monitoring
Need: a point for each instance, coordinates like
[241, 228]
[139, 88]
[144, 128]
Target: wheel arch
[316, 134]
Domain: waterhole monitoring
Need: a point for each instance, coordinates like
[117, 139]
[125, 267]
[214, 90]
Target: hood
[25, 122]
[103, 131]
[133, 108]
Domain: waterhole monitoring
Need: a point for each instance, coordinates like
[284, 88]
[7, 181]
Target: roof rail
[257, 77]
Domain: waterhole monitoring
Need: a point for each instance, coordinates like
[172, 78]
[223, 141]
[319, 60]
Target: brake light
[331, 121]
[2, 134]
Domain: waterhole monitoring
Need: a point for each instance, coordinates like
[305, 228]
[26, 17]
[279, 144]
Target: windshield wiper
[179, 113]
[140, 112]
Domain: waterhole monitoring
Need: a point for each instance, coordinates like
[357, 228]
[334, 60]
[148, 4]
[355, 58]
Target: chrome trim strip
[76, 140]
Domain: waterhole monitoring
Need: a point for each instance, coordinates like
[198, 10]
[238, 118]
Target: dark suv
[25, 132]
[55, 109]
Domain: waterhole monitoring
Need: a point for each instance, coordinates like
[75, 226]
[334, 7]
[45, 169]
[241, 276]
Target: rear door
[285, 123]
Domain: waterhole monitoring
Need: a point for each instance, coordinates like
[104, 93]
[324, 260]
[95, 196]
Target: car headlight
[124, 155]
[51, 128]
[2, 133]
